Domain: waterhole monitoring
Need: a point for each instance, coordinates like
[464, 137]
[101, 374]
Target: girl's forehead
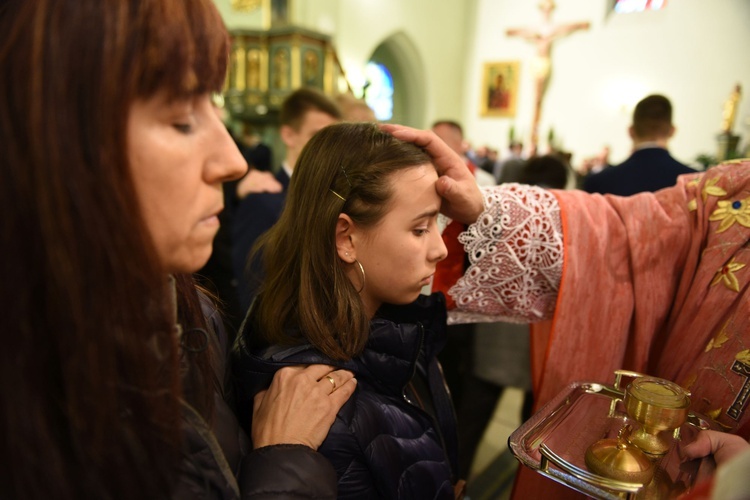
[415, 186]
[413, 174]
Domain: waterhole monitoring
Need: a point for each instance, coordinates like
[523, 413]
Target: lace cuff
[515, 249]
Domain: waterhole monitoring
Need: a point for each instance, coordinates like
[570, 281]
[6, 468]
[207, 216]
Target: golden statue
[253, 69]
[729, 111]
[310, 68]
[280, 69]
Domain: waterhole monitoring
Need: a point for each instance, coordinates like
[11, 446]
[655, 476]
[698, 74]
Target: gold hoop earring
[362, 270]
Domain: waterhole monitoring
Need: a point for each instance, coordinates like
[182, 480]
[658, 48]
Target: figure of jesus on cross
[542, 64]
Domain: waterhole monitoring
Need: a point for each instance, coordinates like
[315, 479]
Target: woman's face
[180, 152]
[400, 253]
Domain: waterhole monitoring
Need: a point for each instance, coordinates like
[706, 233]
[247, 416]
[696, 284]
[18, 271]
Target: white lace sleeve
[515, 249]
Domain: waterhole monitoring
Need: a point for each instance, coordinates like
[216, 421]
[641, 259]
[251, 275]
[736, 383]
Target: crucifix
[743, 370]
[542, 64]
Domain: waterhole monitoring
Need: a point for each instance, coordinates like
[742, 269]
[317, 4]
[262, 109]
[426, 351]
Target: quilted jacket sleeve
[287, 471]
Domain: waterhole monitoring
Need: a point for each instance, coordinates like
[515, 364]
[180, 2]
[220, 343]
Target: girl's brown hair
[306, 288]
[89, 364]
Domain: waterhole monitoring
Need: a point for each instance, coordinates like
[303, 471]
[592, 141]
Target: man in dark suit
[303, 113]
[650, 167]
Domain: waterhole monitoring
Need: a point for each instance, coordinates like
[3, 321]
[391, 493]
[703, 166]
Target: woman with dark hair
[113, 158]
[365, 206]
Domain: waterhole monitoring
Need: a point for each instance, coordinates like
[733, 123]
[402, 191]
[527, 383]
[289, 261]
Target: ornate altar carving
[245, 5]
[265, 66]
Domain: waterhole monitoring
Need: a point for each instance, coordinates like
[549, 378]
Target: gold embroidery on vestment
[710, 188]
[730, 212]
[690, 381]
[719, 339]
[725, 274]
[743, 356]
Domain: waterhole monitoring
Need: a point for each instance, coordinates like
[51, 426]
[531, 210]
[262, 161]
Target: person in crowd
[650, 167]
[217, 275]
[354, 110]
[483, 157]
[452, 133]
[511, 165]
[113, 363]
[591, 165]
[303, 113]
[366, 207]
[547, 171]
[672, 263]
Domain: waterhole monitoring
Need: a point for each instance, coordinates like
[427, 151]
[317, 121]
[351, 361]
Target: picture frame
[499, 91]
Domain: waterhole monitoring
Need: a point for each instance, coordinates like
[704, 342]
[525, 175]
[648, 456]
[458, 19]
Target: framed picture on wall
[500, 88]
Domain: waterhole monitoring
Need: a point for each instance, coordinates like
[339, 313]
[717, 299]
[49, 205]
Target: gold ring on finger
[333, 383]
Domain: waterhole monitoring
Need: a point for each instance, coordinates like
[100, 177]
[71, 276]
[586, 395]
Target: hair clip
[334, 192]
[347, 177]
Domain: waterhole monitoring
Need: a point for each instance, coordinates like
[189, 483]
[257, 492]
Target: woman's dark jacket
[396, 436]
[219, 463]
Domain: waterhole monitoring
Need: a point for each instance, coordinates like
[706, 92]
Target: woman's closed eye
[183, 128]
[420, 231]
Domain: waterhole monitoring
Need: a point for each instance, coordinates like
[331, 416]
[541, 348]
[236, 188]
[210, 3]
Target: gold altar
[265, 66]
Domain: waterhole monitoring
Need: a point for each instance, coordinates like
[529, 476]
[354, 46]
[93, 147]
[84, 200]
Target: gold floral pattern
[725, 275]
[690, 381]
[730, 212]
[743, 356]
[710, 188]
[719, 340]
[693, 205]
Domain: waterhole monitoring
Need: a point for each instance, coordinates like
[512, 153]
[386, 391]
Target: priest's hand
[462, 199]
[720, 445]
[300, 405]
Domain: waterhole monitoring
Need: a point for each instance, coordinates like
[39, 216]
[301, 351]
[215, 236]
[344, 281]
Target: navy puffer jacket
[396, 436]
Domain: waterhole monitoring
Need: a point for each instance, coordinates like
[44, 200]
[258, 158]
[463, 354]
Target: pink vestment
[656, 283]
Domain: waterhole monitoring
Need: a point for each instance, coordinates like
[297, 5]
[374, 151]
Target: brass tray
[553, 442]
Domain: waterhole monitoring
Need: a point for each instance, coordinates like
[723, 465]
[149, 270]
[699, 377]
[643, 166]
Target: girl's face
[400, 253]
[180, 152]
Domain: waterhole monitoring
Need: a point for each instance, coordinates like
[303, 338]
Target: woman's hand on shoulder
[300, 405]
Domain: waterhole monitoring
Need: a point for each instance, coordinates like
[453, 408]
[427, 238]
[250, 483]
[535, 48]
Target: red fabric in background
[449, 270]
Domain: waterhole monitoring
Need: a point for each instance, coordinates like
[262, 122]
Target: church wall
[435, 28]
[693, 51]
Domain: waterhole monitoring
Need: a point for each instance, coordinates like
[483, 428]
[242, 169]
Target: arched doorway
[399, 56]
